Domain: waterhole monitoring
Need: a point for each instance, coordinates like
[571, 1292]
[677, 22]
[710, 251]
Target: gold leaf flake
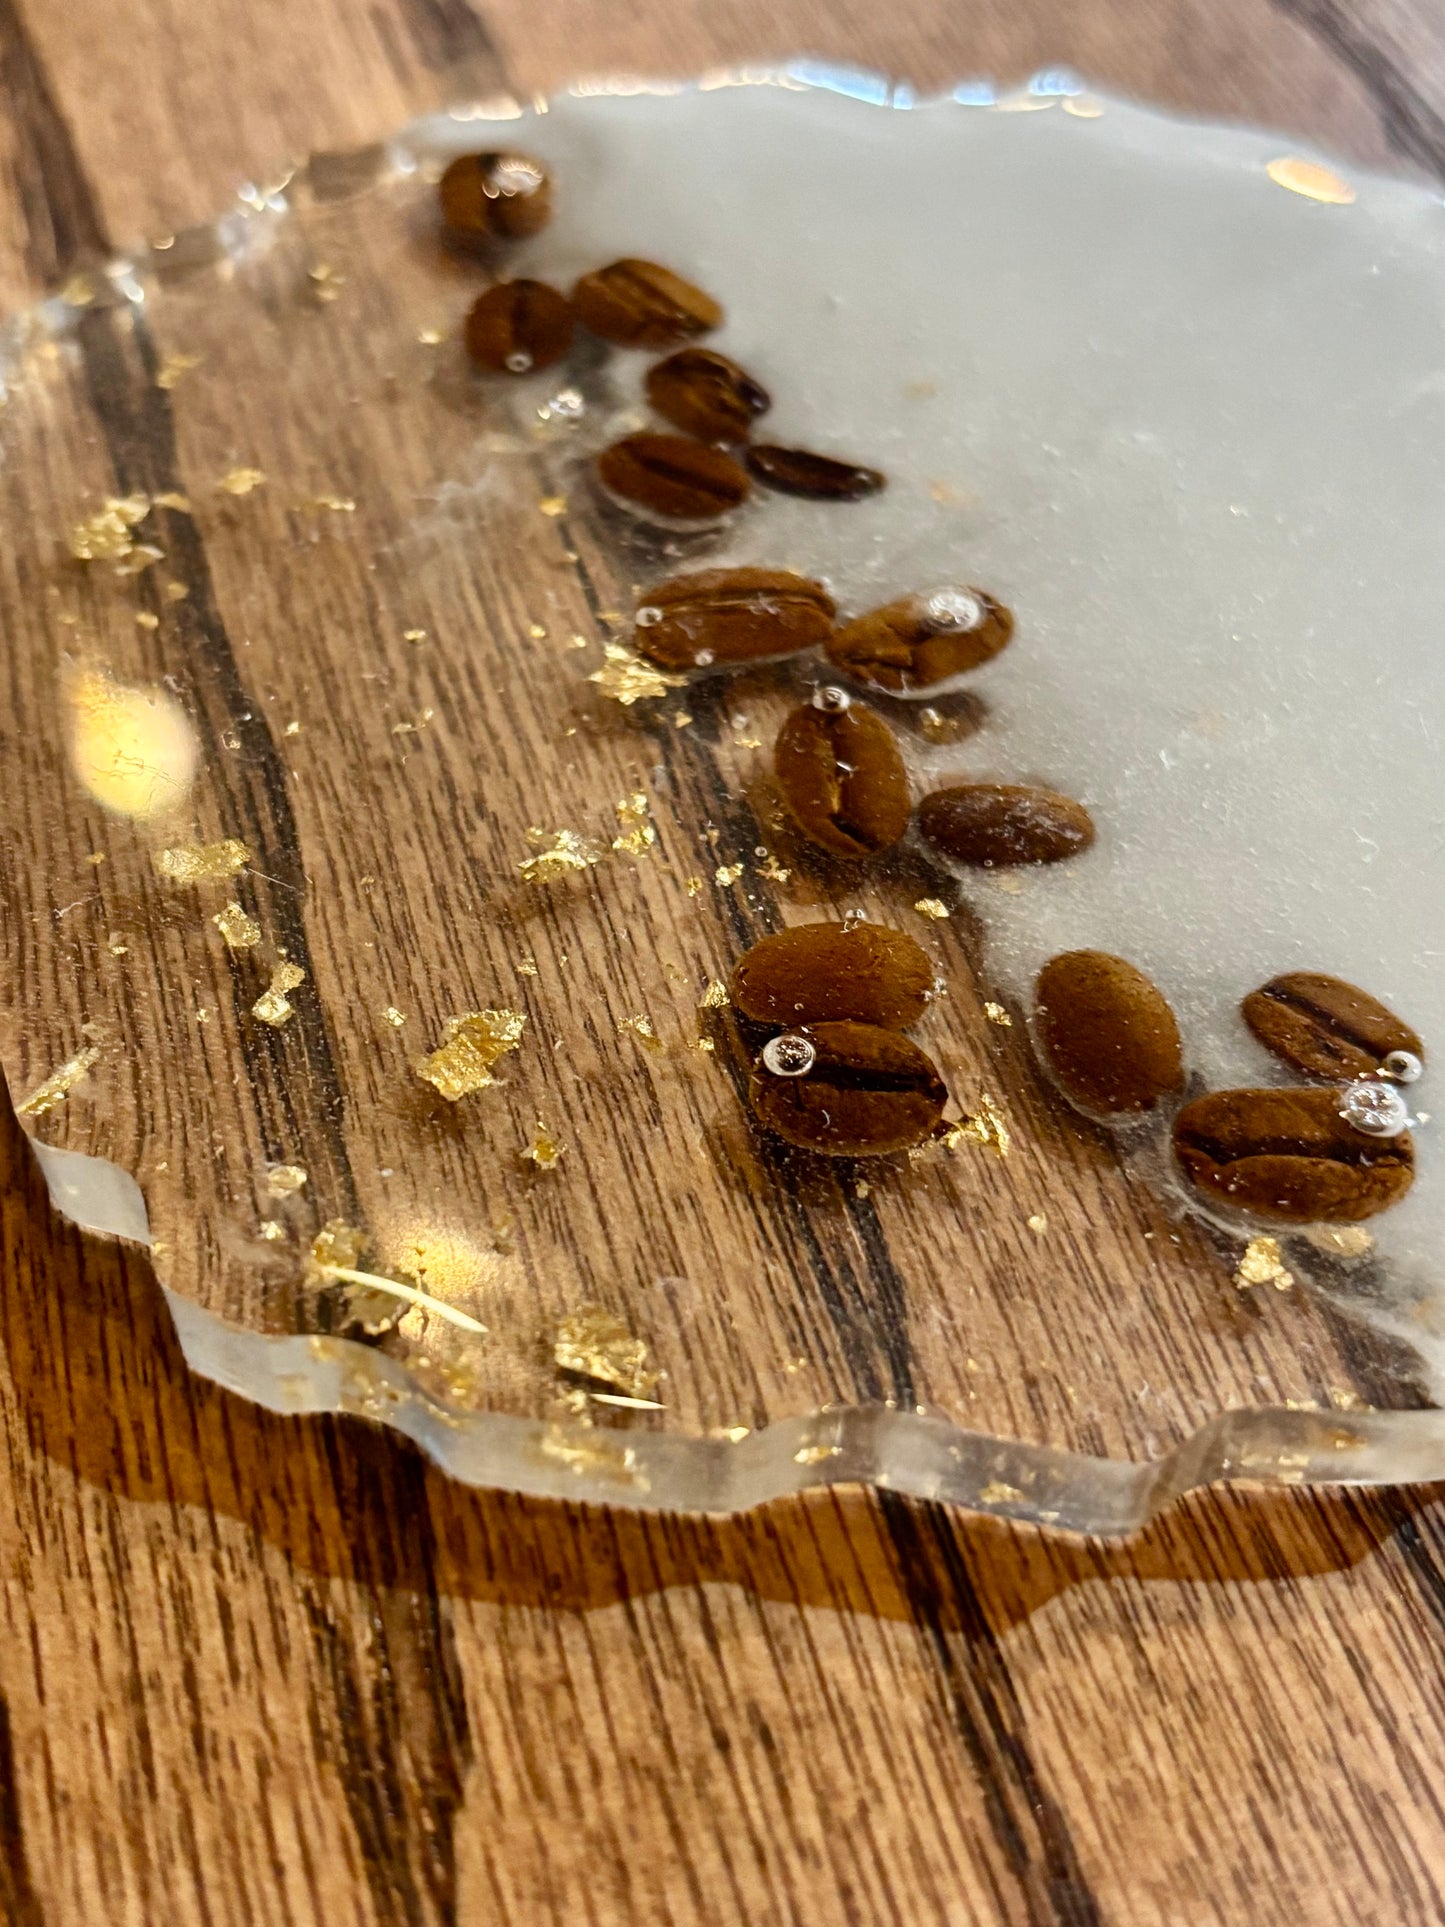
[471, 1046]
[1262, 1263]
[429, 337]
[284, 1180]
[627, 679]
[569, 851]
[292, 728]
[594, 1344]
[145, 620]
[58, 1086]
[173, 499]
[326, 280]
[726, 875]
[681, 720]
[932, 907]
[273, 1006]
[774, 871]
[693, 886]
[638, 835]
[271, 1231]
[198, 862]
[862, 1188]
[527, 967]
[816, 1454]
[643, 1029]
[239, 931]
[1038, 1224]
[986, 1127]
[78, 292]
[335, 1254]
[139, 557]
[553, 505]
[241, 481]
[174, 366]
[545, 1151]
[715, 997]
[996, 1014]
[705, 1045]
[107, 535]
[1316, 183]
[578, 642]
[1341, 1240]
[116, 944]
[394, 1017]
[337, 1245]
[1345, 1400]
[997, 1493]
[537, 631]
[176, 592]
[342, 504]
[413, 635]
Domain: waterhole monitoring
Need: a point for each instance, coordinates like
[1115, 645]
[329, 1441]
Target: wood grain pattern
[262, 1670]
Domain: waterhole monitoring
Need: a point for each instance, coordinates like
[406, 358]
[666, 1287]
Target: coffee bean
[797, 471]
[1107, 1034]
[868, 1091]
[731, 615]
[706, 395]
[640, 305]
[495, 197]
[1289, 1155]
[1325, 1026]
[818, 973]
[998, 824]
[519, 325]
[842, 777]
[914, 645]
[685, 481]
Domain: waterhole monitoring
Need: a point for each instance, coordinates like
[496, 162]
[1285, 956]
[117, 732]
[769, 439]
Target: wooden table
[262, 1671]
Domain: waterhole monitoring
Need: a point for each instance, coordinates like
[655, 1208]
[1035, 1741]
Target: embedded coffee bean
[866, 1091]
[637, 304]
[495, 197]
[819, 973]
[1289, 1155]
[843, 779]
[705, 394]
[519, 325]
[798, 471]
[685, 481]
[912, 646]
[999, 824]
[1325, 1026]
[731, 615]
[1107, 1034]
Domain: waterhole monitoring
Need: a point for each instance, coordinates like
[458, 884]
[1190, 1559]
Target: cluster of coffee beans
[520, 326]
[1336, 1152]
[841, 1078]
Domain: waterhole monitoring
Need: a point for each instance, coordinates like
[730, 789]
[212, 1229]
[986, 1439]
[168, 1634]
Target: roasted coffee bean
[706, 395]
[1325, 1026]
[912, 646]
[842, 777]
[1289, 1155]
[818, 973]
[1107, 1034]
[798, 471]
[731, 615]
[640, 305]
[997, 824]
[867, 1091]
[519, 325]
[685, 481]
[495, 197]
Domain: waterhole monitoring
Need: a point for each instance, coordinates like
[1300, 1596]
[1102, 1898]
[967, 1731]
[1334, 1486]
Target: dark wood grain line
[63, 224]
[984, 1710]
[1412, 125]
[19, 1903]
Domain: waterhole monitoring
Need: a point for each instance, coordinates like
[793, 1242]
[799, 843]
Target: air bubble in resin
[789, 1055]
[1374, 1107]
[954, 609]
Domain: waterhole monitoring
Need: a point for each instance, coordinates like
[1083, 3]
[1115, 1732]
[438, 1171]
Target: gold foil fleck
[1308, 178]
[1341, 1240]
[429, 337]
[393, 1016]
[570, 850]
[326, 280]
[932, 907]
[78, 292]
[342, 504]
[204, 1013]
[1038, 1224]
[726, 875]
[241, 481]
[715, 997]
[107, 535]
[595, 1344]
[705, 1045]
[145, 620]
[774, 871]
[284, 1180]
[1345, 1400]
[335, 1254]
[643, 1029]
[527, 967]
[174, 365]
[862, 1189]
[578, 642]
[116, 944]
[1262, 1263]
[176, 592]
[996, 1014]
[199, 862]
[682, 719]
[413, 635]
[273, 1006]
[58, 1086]
[174, 500]
[545, 1150]
[816, 1454]
[140, 556]
[553, 505]
[272, 1231]
[637, 833]
[997, 1493]
[537, 631]
[986, 1127]
[239, 931]
[627, 679]
[471, 1047]
[693, 886]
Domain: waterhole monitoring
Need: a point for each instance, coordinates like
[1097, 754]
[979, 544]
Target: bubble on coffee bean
[1373, 1105]
[518, 362]
[1403, 1066]
[648, 616]
[957, 609]
[791, 1055]
[831, 699]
